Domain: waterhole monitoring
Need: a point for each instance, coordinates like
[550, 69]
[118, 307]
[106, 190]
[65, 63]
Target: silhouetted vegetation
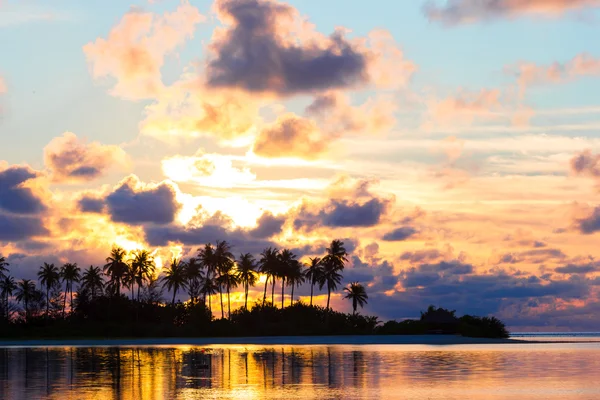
[100, 307]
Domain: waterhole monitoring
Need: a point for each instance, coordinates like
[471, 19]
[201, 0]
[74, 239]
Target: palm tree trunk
[139, 286]
[228, 304]
[328, 295]
[71, 303]
[174, 294]
[265, 294]
[47, 301]
[65, 300]
[312, 286]
[246, 298]
[282, 291]
[222, 308]
[292, 299]
[209, 305]
[354, 306]
[273, 292]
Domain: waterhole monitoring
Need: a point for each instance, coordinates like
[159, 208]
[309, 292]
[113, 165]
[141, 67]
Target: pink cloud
[135, 50]
[2, 85]
[71, 159]
[454, 12]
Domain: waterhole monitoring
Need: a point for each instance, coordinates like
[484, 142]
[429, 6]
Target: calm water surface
[514, 371]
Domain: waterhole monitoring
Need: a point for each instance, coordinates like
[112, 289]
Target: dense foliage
[99, 307]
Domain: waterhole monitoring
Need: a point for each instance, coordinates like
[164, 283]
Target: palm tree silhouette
[49, 276]
[92, 281]
[228, 277]
[333, 264]
[116, 268]
[209, 287]
[295, 277]
[175, 277]
[194, 277]
[268, 265]
[206, 255]
[314, 274]
[143, 267]
[25, 292]
[3, 267]
[357, 293]
[7, 287]
[223, 260]
[69, 273]
[287, 260]
[247, 275]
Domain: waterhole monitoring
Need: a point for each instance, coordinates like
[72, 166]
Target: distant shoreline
[442, 340]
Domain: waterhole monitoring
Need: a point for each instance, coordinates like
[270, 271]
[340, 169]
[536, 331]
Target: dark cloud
[268, 225]
[419, 256]
[455, 12]
[132, 205]
[428, 274]
[343, 214]
[400, 234]
[91, 205]
[15, 228]
[14, 196]
[586, 163]
[255, 52]
[578, 269]
[591, 224]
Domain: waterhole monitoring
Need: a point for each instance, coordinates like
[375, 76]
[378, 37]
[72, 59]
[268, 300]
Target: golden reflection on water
[302, 372]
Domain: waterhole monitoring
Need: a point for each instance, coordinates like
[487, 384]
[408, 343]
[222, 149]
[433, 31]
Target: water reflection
[319, 372]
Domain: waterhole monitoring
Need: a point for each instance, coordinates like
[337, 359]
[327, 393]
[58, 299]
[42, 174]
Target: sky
[452, 145]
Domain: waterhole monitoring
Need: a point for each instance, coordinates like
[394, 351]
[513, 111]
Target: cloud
[71, 159]
[455, 12]
[3, 88]
[15, 194]
[466, 106]
[135, 203]
[335, 115]
[578, 269]
[587, 164]
[591, 223]
[265, 46]
[135, 50]
[89, 204]
[530, 74]
[400, 234]
[268, 225]
[351, 205]
[16, 227]
[291, 136]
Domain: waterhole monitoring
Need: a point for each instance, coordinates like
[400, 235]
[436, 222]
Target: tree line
[214, 270]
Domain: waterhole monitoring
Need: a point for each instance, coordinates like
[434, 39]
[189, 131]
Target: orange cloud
[70, 159]
[455, 12]
[135, 49]
[465, 107]
[291, 136]
[530, 74]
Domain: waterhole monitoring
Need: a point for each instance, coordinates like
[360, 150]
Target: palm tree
[175, 277]
[357, 293]
[194, 276]
[206, 256]
[229, 278]
[25, 292]
[209, 287]
[69, 273]
[3, 267]
[247, 275]
[223, 261]
[92, 281]
[116, 268]
[49, 276]
[295, 277]
[333, 264]
[7, 287]
[129, 279]
[267, 265]
[314, 274]
[287, 261]
[144, 267]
